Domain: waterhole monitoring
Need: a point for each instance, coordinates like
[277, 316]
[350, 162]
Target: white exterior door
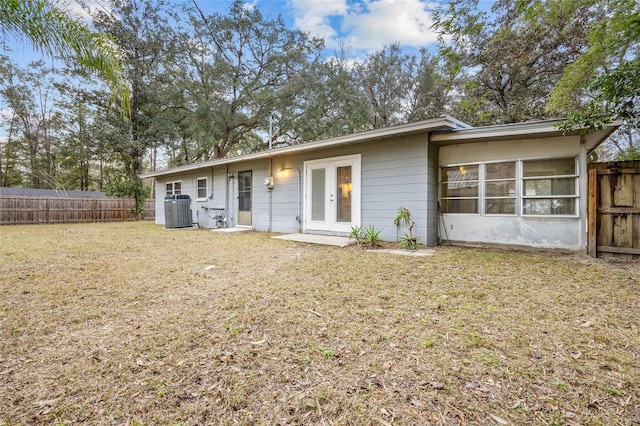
[244, 198]
[332, 194]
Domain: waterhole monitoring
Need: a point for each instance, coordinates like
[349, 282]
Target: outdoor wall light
[284, 171]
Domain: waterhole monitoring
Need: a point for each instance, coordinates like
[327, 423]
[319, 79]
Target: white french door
[332, 193]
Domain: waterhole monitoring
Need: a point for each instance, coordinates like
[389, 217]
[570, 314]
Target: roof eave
[595, 138]
[499, 132]
[529, 130]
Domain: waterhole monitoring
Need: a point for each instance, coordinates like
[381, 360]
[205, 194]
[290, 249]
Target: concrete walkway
[330, 240]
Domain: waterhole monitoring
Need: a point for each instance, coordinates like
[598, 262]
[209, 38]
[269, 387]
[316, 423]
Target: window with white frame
[549, 187]
[174, 188]
[460, 189]
[540, 187]
[201, 186]
[500, 188]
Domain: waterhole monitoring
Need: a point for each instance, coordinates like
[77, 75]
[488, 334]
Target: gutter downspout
[584, 194]
[270, 190]
[429, 200]
[209, 203]
[299, 218]
[226, 196]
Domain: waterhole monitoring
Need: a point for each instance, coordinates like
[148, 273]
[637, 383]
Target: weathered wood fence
[18, 209]
[614, 210]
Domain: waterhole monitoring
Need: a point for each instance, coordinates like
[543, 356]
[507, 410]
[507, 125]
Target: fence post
[592, 212]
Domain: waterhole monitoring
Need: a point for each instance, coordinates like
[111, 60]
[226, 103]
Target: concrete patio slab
[327, 240]
[401, 252]
[231, 230]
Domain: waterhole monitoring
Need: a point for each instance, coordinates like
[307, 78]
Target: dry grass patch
[131, 322]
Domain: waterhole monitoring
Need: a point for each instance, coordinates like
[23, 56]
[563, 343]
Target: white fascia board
[442, 123]
[505, 131]
[527, 130]
[595, 138]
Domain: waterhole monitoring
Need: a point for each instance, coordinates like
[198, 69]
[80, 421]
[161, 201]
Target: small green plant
[327, 352]
[408, 242]
[403, 218]
[355, 233]
[367, 237]
[371, 236]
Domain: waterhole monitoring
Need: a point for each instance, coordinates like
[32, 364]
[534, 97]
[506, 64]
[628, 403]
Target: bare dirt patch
[130, 322]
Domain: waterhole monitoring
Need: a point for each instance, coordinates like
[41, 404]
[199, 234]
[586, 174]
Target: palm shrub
[367, 237]
[403, 218]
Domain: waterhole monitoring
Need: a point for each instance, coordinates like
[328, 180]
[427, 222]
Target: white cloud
[73, 8]
[381, 22]
[367, 25]
[250, 6]
[83, 10]
[6, 114]
[314, 17]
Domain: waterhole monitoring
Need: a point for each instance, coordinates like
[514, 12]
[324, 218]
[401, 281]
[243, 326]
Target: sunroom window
[549, 187]
[459, 186]
[500, 188]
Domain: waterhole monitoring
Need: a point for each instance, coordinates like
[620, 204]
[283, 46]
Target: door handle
[331, 197]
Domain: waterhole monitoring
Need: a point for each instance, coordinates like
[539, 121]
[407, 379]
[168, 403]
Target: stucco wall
[510, 150]
[544, 231]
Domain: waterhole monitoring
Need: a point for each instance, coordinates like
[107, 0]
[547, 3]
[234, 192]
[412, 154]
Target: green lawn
[124, 323]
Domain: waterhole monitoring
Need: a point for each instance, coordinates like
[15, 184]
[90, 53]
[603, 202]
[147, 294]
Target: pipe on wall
[226, 194]
[270, 190]
[299, 218]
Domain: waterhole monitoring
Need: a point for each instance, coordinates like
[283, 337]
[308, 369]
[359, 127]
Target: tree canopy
[608, 73]
[57, 33]
[204, 86]
[539, 59]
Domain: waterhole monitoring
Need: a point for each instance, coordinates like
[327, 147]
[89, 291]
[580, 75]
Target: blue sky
[363, 25]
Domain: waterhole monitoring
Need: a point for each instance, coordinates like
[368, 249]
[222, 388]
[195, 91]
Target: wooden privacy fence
[18, 209]
[614, 210]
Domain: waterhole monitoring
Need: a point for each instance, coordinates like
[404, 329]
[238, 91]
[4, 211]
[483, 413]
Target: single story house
[520, 184]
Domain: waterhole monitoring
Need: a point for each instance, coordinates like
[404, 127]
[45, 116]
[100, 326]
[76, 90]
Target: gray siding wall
[203, 212]
[433, 213]
[394, 174]
[287, 192]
